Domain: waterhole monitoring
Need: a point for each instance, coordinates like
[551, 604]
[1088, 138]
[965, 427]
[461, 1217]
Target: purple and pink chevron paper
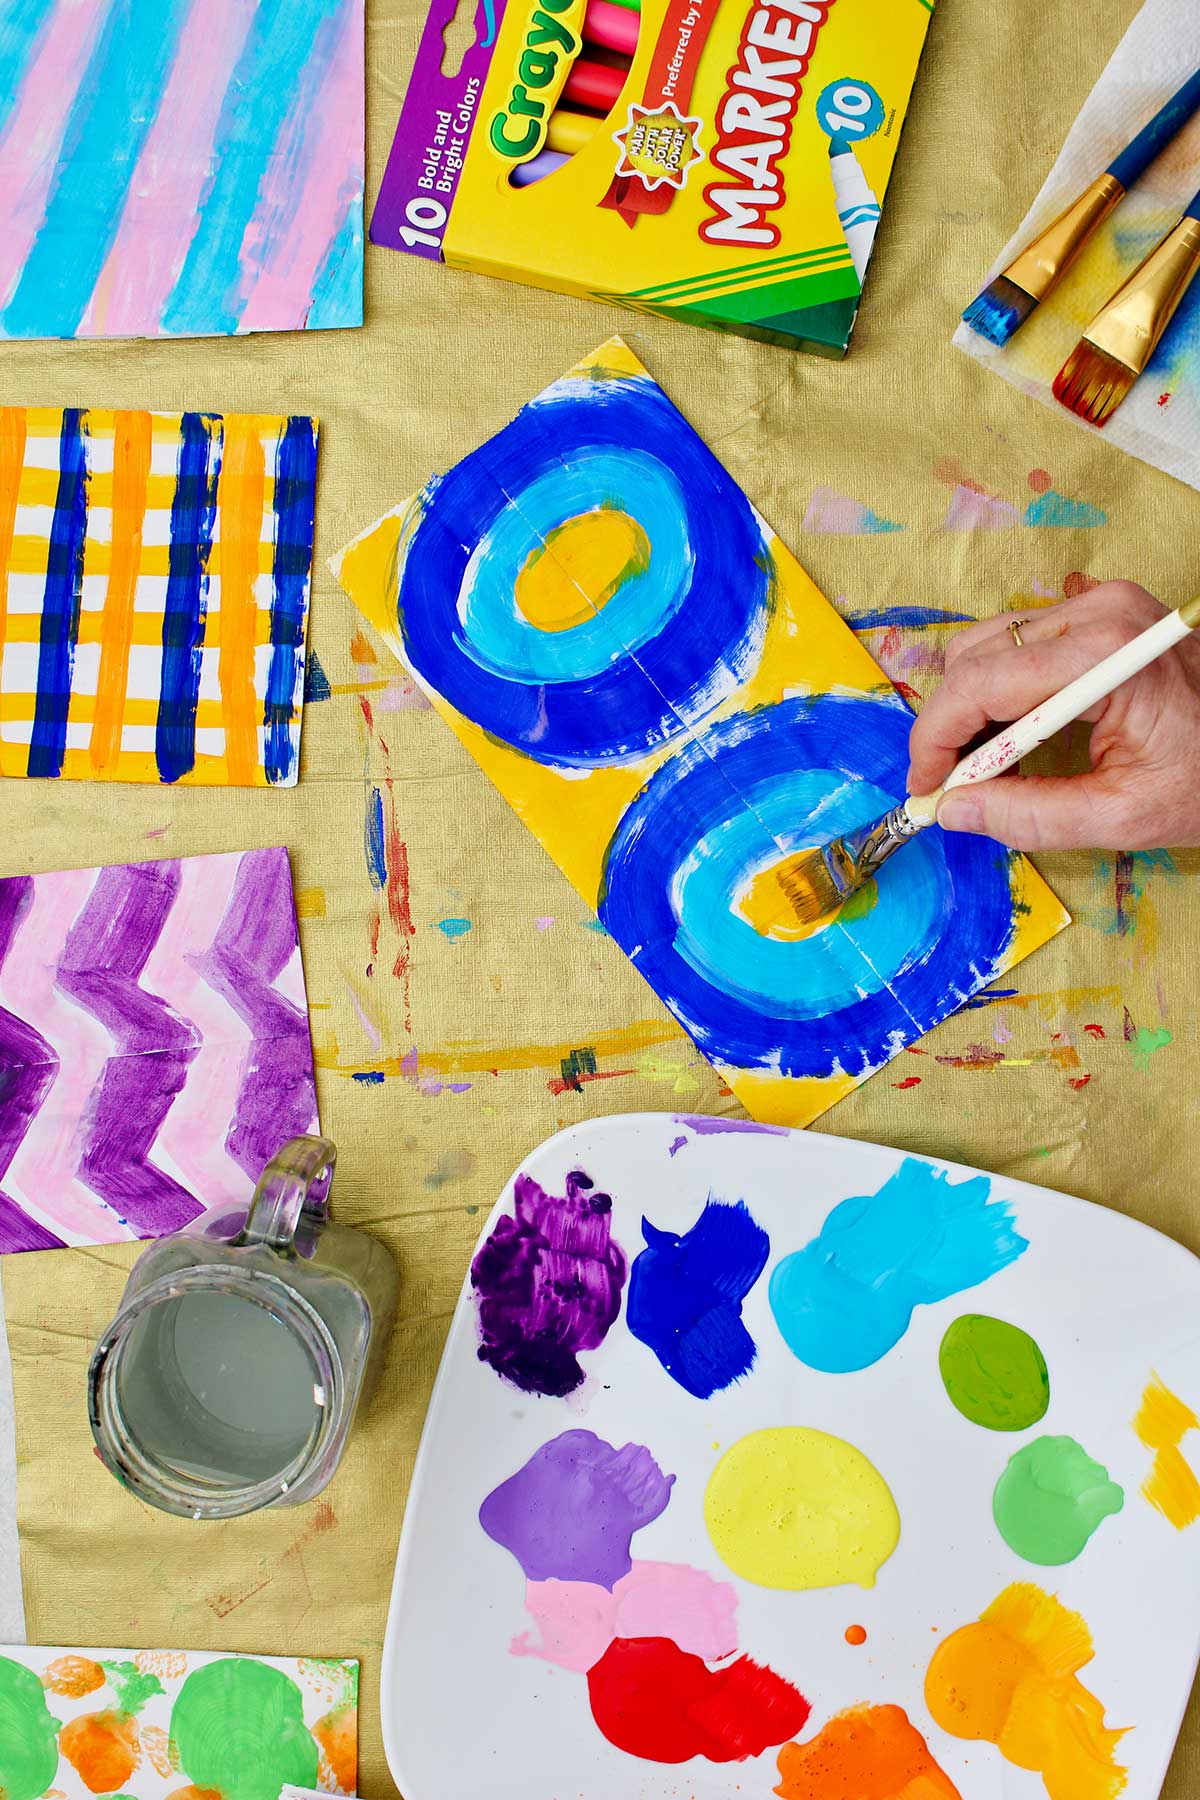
[154, 1044]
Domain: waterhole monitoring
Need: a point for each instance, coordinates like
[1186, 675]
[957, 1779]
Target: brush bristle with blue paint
[1011, 296]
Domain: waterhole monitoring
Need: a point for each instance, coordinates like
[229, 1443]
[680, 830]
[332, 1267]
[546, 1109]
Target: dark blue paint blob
[672, 642]
[369, 1077]
[373, 841]
[746, 793]
[316, 681]
[686, 1293]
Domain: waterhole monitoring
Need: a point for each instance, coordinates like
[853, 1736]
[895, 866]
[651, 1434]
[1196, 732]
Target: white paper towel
[12, 1609]
[1160, 421]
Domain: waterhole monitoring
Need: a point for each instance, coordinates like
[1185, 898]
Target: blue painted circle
[671, 643]
[744, 793]
[851, 109]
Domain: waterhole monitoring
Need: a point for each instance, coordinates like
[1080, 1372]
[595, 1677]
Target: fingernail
[959, 812]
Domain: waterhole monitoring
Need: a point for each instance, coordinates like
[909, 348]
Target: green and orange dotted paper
[147, 1724]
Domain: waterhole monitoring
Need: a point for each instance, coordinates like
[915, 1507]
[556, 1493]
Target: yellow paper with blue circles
[672, 707]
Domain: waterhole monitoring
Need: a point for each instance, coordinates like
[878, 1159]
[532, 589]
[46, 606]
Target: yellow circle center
[578, 567]
[769, 901]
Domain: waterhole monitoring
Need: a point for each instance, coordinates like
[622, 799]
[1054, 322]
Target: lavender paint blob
[686, 1292]
[549, 1284]
[571, 1513]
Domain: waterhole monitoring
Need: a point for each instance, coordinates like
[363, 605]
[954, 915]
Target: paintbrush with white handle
[816, 882]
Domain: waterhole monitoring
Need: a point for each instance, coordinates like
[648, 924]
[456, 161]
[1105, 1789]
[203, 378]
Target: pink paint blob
[579, 1620]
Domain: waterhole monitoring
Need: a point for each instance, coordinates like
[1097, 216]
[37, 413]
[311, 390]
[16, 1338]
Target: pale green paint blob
[994, 1373]
[1143, 1046]
[131, 1687]
[28, 1734]
[239, 1726]
[1051, 1498]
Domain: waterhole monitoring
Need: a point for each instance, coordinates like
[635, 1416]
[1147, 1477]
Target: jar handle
[295, 1182]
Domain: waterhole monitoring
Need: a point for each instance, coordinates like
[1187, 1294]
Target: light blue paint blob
[872, 523]
[454, 929]
[21, 27]
[686, 1293]
[847, 1298]
[1052, 508]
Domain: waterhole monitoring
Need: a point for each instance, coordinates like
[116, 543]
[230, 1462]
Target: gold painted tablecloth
[1082, 1079]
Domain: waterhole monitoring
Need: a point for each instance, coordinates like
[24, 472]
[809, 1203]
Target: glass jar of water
[243, 1346]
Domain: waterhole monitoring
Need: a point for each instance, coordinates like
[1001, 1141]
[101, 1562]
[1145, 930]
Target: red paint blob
[910, 1081]
[1039, 480]
[1096, 1031]
[654, 1700]
[1078, 583]
[856, 1634]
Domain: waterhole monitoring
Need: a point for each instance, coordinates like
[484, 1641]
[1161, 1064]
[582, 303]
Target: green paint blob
[994, 1373]
[131, 1687]
[1145, 1043]
[1051, 1498]
[28, 1734]
[239, 1726]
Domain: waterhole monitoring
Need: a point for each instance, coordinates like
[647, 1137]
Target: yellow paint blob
[1011, 1679]
[766, 906]
[794, 1508]
[1161, 1423]
[577, 570]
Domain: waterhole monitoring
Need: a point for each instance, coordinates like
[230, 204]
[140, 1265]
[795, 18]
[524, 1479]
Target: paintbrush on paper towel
[1011, 296]
[1121, 339]
[817, 882]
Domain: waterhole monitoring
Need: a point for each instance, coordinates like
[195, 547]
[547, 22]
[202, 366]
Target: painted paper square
[154, 1044]
[180, 168]
[156, 1723]
[155, 571]
[673, 709]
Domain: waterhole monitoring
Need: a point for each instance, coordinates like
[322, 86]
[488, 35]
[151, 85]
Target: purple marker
[537, 168]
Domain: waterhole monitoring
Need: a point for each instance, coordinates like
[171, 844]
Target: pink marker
[611, 25]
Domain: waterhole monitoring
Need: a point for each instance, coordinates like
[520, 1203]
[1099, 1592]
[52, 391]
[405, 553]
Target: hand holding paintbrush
[1113, 656]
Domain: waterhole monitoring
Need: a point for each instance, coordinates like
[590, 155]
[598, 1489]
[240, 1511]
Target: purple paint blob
[28, 1070]
[549, 1284]
[571, 1513]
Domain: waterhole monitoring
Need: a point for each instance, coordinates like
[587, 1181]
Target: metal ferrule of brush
[854, 858]
[1041, 263]
[1132, 323]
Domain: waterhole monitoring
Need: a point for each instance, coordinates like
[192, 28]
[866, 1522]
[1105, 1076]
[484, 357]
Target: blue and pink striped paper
[180, 168]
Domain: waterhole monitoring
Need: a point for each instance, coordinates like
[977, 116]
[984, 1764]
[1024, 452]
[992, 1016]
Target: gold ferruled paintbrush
[1010, 297]
[1121, 339]
[817, 882]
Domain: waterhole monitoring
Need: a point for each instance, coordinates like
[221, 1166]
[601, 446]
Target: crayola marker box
[722, 161]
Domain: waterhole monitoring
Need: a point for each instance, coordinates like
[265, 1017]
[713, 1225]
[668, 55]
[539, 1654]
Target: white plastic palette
[1108, 1301]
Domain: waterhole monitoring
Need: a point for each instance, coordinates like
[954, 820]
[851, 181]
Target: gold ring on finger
[1014, 630]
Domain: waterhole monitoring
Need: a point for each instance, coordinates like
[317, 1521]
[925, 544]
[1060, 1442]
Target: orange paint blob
[1161, 1423]
[867, 1753]
[1011, 1679]
[73, 1676]
[337, 1735]
[102, 1748]
[856, 1634]
[194, 1793]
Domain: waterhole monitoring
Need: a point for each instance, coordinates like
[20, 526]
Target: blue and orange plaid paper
[154, 585]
